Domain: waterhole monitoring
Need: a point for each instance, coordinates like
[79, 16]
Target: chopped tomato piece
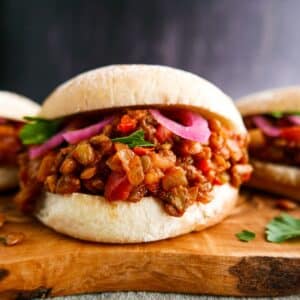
[291, 133]
[117, 187]
[126, 124]
[203, 165]
[217, 181]
[163, 134]
[141, 150]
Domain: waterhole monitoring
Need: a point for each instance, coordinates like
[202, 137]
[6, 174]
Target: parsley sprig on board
[283, 227]
[245, 235]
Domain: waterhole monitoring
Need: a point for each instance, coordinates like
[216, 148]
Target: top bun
[15, 107]
[140, 85]
[283, 99]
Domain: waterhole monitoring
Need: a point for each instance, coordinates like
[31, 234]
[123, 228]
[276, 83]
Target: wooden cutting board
[209, 262]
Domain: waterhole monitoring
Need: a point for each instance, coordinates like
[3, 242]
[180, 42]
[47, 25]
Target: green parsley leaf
[38, 130]
[29, 118]
[294, 113]
[245, 236]
[276, 114]
[279, 114]
[135, 139]
[282, 228]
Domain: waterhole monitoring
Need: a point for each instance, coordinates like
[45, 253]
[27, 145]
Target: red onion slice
[76, 136]
[294, 119]
[266, 127]
[71, 137]
[53, 142]
[197, 129]
[2, 120]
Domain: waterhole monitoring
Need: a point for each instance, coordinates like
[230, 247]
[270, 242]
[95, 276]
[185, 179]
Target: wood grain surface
[209, 262]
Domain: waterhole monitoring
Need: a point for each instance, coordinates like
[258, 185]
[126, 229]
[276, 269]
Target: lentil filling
[10, 143]
[176, 171]
[283, 149]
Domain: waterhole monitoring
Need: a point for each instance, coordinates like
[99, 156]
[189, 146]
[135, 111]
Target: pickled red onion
[197, 129]
[76, 136]
[53, 142]
[294, 119]
[266, 127]
[71, 137]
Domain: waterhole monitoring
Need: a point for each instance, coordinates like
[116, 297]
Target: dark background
[240, 45]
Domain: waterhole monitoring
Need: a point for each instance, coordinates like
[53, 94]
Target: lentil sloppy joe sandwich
[141, 153]
[272, 118]
[12, 109]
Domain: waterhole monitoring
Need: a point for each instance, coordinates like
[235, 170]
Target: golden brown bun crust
[140, 85]
[8, 178]
[15, 107]
[275, 178]
[283, 99]
[93, 218]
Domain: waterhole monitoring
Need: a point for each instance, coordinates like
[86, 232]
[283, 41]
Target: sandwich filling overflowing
[175, 156]
[10, 144]
[275, 137]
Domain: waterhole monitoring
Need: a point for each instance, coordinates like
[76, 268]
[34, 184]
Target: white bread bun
[93, 218]
[275, 178]
[282, 99]
[15, 107]
[140, 85]
[8, 177]
[279, 179]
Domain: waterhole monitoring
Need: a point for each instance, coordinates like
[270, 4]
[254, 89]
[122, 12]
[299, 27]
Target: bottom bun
[275, 178]
[8, 178]
[95, 219]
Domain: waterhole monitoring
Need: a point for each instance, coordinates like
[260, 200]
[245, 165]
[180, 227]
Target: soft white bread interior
[140, 85]
[8, 177]
[93, 218]
[283, 100]
[15, 107]
[275, 178]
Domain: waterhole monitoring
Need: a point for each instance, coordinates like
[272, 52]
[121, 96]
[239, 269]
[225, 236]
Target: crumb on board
[285, 204]
[12, 238]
